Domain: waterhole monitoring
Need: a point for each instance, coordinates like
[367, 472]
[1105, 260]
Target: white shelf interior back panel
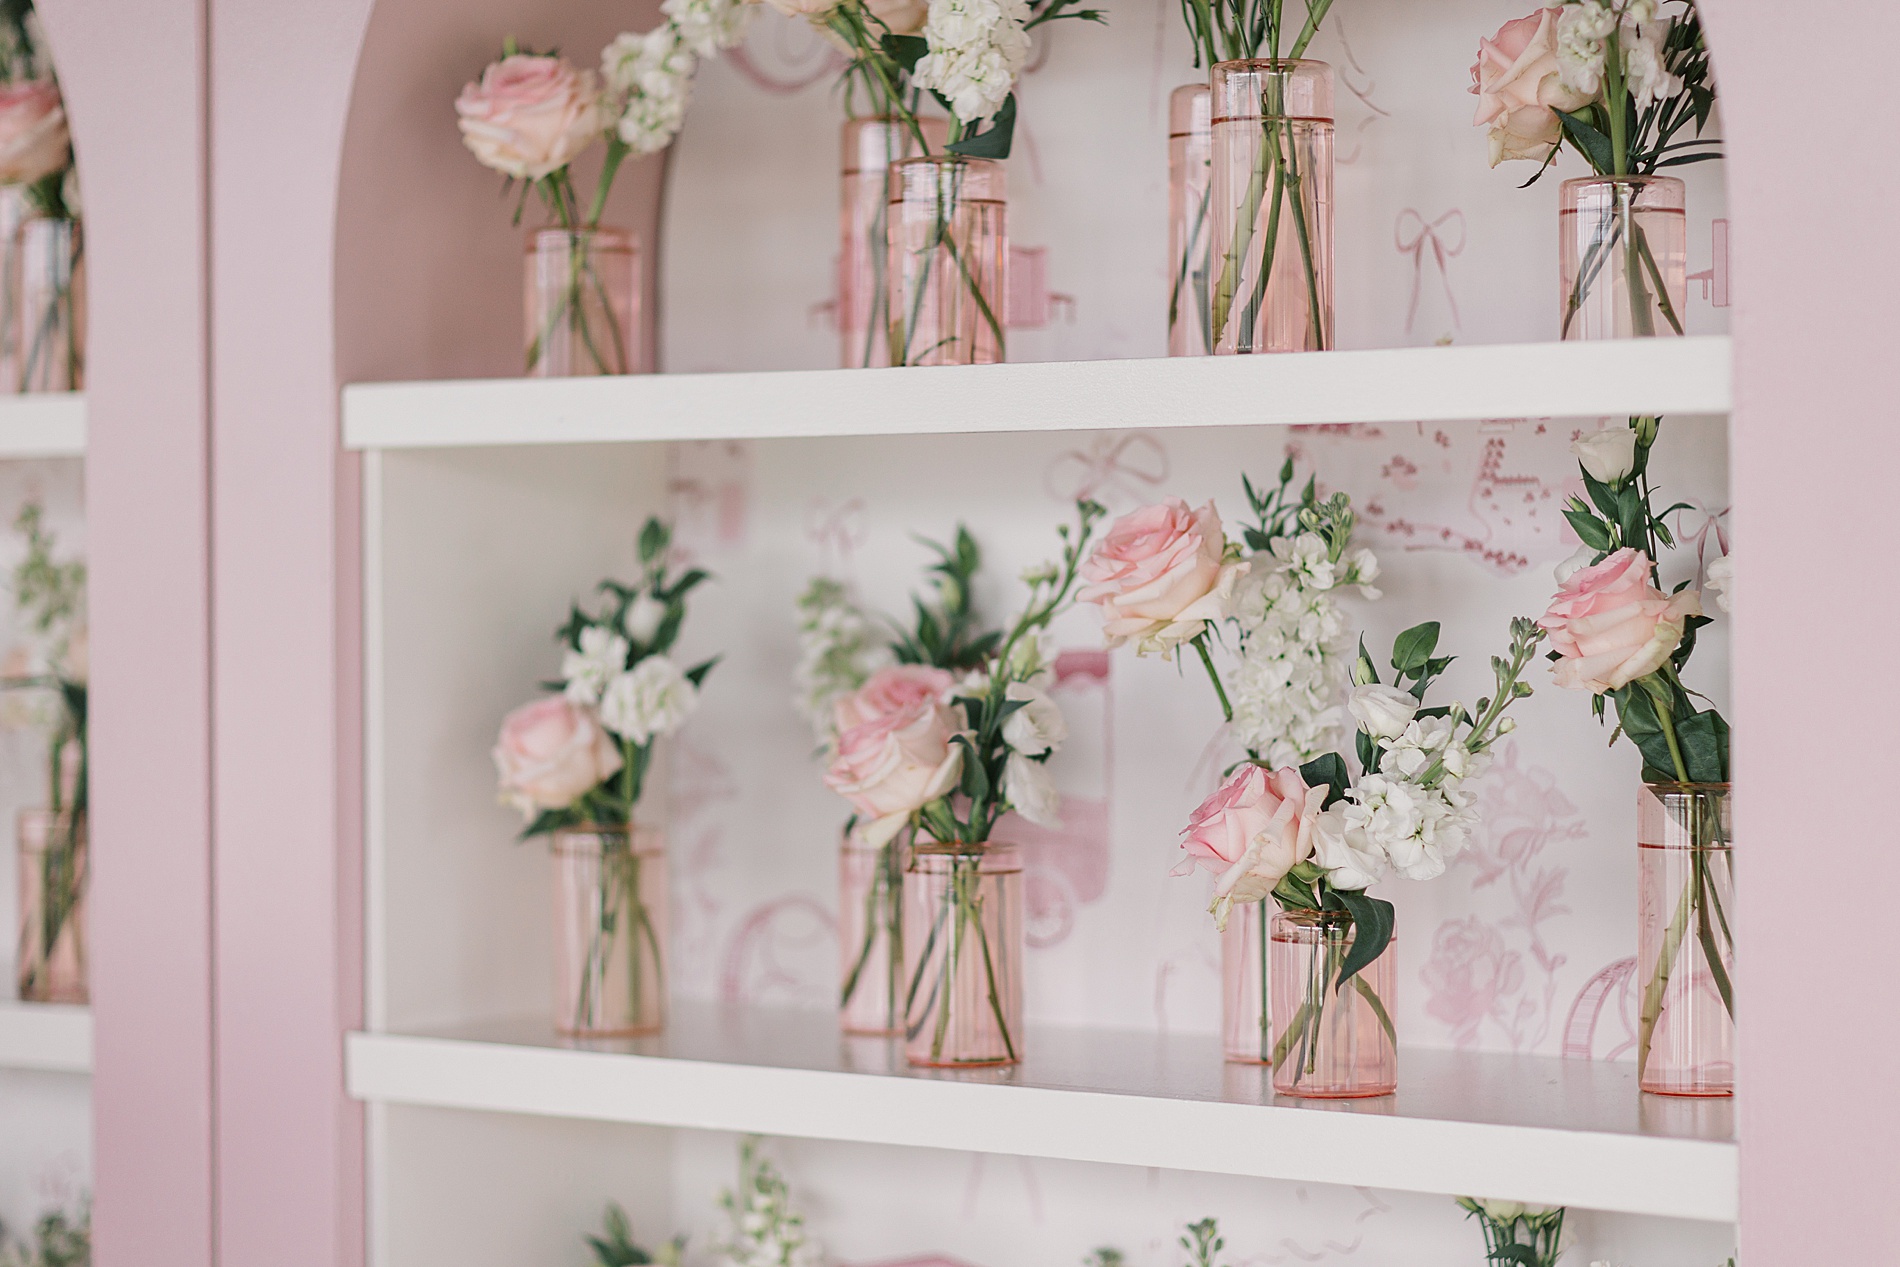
[45, 425]
[1540, 380]
[50, 1037]
[1528, 1128]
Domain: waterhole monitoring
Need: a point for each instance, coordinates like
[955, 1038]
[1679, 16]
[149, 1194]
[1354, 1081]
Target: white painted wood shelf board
[1519, 1127]
[45, 1036]
[44, 425]
[1534, 380]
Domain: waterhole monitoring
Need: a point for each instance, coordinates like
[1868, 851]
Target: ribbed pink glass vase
[1329, 1043]
[949, 256]
[869, 148]
[1190, 155]
[1245, 1035]
[610, 922]
[871, 936]
[963, 955]
[14, 212]
[1685, 953]
[582, 302]
[1623, 257]
[50, 966]
[50, 306]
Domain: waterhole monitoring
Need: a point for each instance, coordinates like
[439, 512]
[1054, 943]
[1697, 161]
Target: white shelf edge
[1531, 380]
[1639, 1174]
[51, 1037]
[43, 425]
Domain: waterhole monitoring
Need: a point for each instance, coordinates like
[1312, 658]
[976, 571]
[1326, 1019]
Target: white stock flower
[651, 700]
[1381, 711]
[1648, 79]
[1583, 29]
[1362, 569]
[1305, 557]
[1351, 861]
[977, 48]
[651, 77]
[643, 618]
[1038, 726]
[1414, 749]
[837, 651]
[709, 27]
[1719, 581]
[1418, 829]
[1031, 792]
[1608, 455]
[601, 657]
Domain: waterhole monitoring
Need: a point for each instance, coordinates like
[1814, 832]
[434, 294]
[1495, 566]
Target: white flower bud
[643, 619]
[1609, 455]
[1382, 711]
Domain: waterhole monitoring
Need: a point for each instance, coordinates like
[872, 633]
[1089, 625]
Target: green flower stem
[1200, 645]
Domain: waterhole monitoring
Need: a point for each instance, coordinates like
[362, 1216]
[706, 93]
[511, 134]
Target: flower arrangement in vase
[925, 245]
[54, 862]
[1269, 179]
[855, 669]
[947, 757]
[575, 765]
[765, 1229]
[1619, 81]
[1309, 835]
[1618, 635]
[42, 292]
[531, 116]
[1518, 1235]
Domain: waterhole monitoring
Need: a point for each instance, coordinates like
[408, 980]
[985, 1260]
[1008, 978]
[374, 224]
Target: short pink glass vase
[582, 302]
[1685, 950]
[610, 908]
[963, 955]
[1190, 167]
[1244, 976]
[870, 146]
[51, 963]
[49, 304]
[1623, 257]
[871, 936]
[1329, 1043]
[948, 262]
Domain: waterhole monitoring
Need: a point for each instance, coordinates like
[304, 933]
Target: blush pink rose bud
[551, 753]
[530, 115]
[1519, 90]
[1610, 626]
[895, 763]
[34, 141]
[1251, 832]
[895, 689]
[1161, 575]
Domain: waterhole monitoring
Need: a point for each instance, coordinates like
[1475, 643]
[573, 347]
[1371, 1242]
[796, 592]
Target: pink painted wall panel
[133, 74]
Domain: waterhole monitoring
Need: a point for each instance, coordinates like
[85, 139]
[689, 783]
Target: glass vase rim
[947, 160]
[1256, 63]
[954, 848]
[584, 231]
[1578, 182]
[631, 831]
[1306, 915]
[1677, 787]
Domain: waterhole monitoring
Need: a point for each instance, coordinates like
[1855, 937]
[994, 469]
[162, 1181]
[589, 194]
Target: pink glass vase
[50, 306]
[14, 213]
[1329, 1043]
[51, 964]
[871, 936]
[1244, 976]
[1685, 954]
[610, 908]
[583, 303]
[949, 256]
[1190, 167]
[870, 146]
[1271, 193]
[1623, 257]
[963, 954]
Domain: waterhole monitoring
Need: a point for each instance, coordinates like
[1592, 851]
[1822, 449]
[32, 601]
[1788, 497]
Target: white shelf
[45, 425]
[45, 1036]
[1533, 380]
[1524, 1128]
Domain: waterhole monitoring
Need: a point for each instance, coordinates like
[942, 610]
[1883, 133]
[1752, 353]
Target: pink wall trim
[133, 74]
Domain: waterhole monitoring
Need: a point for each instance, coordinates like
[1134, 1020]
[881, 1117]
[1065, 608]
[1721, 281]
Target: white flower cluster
[977, 48]
[1588, 30]
[649, 77]
[1414, 815]
[766, 1231]
[640, 704]
[837, 650]
[1293, 657]
[1032, 734]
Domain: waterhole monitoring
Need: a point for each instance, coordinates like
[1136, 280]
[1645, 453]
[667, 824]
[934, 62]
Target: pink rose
[551, 753]
[903, 17]
[1519, 90]
[1160, 575]
[1611, 626]
[893, 765]
[530, 115]
[896, 689]
[34, 142]
[1252, 831]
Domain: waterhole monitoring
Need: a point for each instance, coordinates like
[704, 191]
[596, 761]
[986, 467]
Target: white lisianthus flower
[644, 615]
[1608, 455]
[1038, 727]
[1381, 711]
[977, 48]
[1031, 792]
[602, 656]
[1351, 861]
[709, 27]
[651, 700]
[1581, 559]
[1719, 581]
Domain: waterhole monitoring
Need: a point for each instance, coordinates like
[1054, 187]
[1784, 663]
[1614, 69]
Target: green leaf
[905, 50]
[1703, 738]
[1602, 494]
[994, 141]
[1591, 143]
[697, 674]
[654, 538]
[1368, 751]
[1372, 919]
[1330, 771]
[1413, 649]
[1636, 714]
[1589, 529]
[976, 780]
[687, 583]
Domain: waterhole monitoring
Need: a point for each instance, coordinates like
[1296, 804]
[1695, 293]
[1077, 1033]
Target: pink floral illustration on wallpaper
[710, 488]
[1518, 514]
[701, 783]
[837, 530]
[1067, 868]
[783, 951]
[1291, 1249]
[783, 58]
[1503, 972]
[1359, 86]
[1695, 524]
[1612, 990]
[1442, 239]
[1121, 471]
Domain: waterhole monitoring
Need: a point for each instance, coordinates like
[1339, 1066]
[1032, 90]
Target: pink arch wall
[225, 571]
